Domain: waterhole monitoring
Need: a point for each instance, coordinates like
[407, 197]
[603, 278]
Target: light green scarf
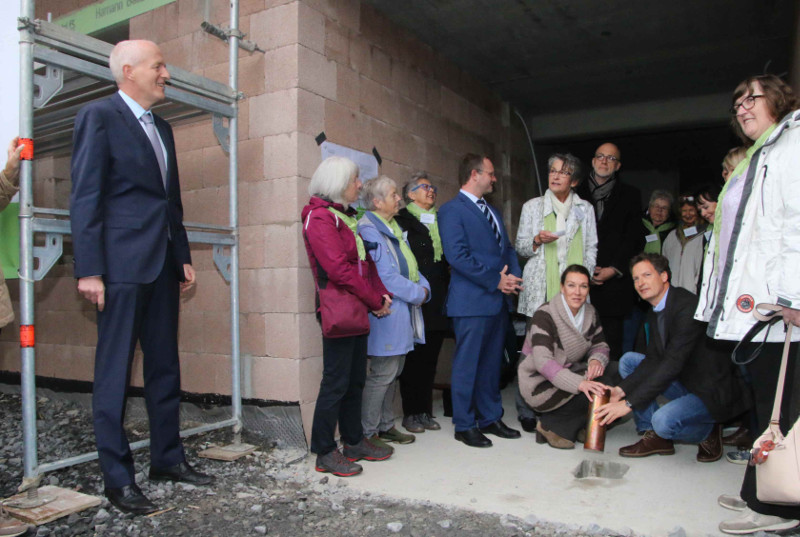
[655, 246]
[411, 261]
[740, 169]
[433, 227]
[352, 223]
[574, 256]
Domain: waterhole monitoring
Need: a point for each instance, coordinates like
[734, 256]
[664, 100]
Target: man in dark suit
[485, 271]
[680, 364]
[618, 209]
[132, 260]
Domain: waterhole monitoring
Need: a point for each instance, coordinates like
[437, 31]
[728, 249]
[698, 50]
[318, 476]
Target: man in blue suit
[132, 260]
[485, 271]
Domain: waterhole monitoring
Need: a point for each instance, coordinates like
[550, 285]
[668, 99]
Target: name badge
[690, 231]
[653, 237]
[427, 218]
[405, 236]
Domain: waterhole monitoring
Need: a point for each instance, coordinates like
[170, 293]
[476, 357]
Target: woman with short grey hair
[658, 221]
[391, 337]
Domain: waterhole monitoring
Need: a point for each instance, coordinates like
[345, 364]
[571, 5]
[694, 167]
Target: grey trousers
[377, 403]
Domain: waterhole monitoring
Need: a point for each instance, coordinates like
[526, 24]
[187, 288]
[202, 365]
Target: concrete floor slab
[522, 478]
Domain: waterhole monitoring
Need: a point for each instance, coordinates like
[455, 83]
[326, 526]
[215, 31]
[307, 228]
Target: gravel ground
[271, 492]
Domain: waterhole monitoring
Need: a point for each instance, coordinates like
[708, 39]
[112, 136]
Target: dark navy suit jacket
[476, 258]
[121, 213]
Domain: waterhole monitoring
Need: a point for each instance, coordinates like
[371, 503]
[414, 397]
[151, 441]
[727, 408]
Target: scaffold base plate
[64, 503]
[230, 452]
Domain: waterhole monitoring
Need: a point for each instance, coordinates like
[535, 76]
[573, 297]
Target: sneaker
[10, 526]
[367, 450]
[393, 435]
[428, 422]
[377, 441]
[750, 522]
[337, 464]
[741, 456]
[734, 502]
[412, 423]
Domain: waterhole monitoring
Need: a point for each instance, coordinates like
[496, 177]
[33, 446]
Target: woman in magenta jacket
[348, 289]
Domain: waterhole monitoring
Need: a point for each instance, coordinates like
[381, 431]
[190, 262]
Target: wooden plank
[65, 503]
[228, 453]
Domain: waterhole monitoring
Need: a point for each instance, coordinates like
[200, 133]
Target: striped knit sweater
[556, 355]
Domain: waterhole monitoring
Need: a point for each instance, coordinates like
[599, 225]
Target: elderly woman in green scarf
[658, 222]
[393, 336]
[420, 222]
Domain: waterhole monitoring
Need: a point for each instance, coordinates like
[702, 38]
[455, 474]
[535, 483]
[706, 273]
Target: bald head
[607, 160]
[131, 53]
[140, 71]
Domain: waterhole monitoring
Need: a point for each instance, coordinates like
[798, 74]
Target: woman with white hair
[348, 288]
[391, 337]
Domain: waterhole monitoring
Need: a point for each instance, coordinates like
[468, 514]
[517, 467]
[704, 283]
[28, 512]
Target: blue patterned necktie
[488, 214]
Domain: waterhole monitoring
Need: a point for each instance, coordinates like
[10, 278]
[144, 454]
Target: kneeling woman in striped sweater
[565, 355]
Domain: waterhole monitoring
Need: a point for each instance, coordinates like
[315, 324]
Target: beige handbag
[778, 477]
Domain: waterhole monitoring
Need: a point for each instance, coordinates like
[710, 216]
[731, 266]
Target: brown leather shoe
[740, 438]
[556, 441]
[710, 449]
[650, 444]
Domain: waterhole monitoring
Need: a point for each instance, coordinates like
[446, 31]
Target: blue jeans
[684, 418]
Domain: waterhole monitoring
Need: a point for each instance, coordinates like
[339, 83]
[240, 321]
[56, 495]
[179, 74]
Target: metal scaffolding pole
[52, 45]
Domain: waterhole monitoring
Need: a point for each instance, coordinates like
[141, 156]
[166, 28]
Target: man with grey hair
[132, 260]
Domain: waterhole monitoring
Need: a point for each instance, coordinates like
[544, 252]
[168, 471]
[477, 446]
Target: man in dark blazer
[132, 260]
[485, 271]
[618, 209]
[680, 364]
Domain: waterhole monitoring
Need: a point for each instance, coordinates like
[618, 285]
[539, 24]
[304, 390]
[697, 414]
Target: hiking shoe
[10, 526]
[734, 502]
[413, 424]
[750, 522]
[428, 422]
[376, 440]
[393, 435]
[367, 450]
[741, 456]
[337, 464]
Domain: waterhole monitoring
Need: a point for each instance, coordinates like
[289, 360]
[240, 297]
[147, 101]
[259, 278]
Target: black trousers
[613, 329]
[344, 370]
[416, 380]
[572, 416]
[764, 372]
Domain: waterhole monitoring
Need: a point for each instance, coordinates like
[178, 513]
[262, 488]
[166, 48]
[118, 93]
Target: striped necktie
[490, 217]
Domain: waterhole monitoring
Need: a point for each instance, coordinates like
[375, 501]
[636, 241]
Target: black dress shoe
[182, 473]
[528, 424]
[130, 499]
[473, 438]
[500, 429]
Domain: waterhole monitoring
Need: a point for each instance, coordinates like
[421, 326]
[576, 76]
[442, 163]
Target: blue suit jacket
[121, 214]
[475, 258]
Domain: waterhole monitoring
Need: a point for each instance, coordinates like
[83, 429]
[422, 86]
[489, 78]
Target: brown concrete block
[281, 68]
[194, 136]
[50, 327]
[310, 335]
[273, 113]
[377, 101]
[309, 157]
[281, 245]
[381, 66]
[253, 283]
[280, 155]
[77, 363]
[275, 27]
[306, 290]
[223, 384]
[281, 335]
[347, 86]
[275, 378]
[243, 190]
[317, 74]
[396, 170]
[202, 257]
[199, 372]
[191, 170]
[211, 293]
[207, 50]
[251, 161]
[433, 95]
[47, 356]
[348, 127]
[310, 112]
[311, 28]
[252, 333]
[217, 328]
[163, 26]
[273, 201]
[244, 119]
[10, 356]
[191, 332]
[310, 377]
[401, 79]
[190, 15]
[178, 51]
[417, 90]
[251, 247]
[215, 167]
[337, 43]
[399, 145]
[208, 206]
[251, 73]
[360, 55]
[141, 27]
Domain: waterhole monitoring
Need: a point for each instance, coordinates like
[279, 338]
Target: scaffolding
[76, 72]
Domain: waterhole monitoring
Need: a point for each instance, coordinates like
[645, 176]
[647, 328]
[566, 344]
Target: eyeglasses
[562, 172]
[686, 198]
[490, 174]
[610, 158]
[655, 207]
[426, 187]
[747, 103]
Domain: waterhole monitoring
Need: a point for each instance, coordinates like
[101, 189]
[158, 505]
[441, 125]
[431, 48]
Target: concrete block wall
[336, 66]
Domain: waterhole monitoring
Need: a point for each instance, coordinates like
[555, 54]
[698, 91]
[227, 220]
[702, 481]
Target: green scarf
[655, 246]
[738, 170]
[352, 223]
[411, 261]
[433, 227]
[574, 256]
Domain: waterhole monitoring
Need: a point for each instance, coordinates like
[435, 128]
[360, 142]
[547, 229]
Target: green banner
[9, 240]
[107, 13]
